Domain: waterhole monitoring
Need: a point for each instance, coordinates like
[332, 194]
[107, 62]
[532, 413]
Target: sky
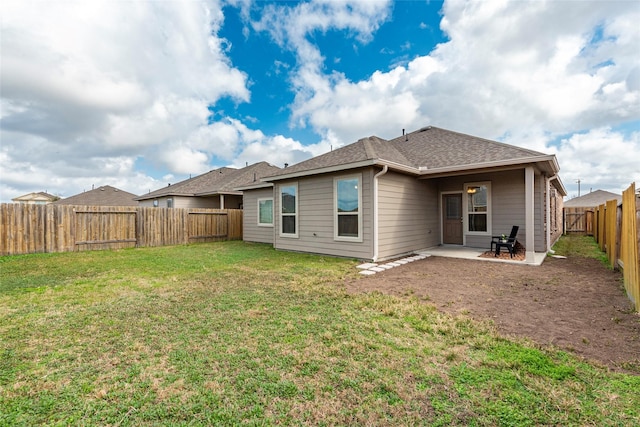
[139, 94]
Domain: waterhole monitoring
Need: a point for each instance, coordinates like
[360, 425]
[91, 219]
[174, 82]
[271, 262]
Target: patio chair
[510, 242]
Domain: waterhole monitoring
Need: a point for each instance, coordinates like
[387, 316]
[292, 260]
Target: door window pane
[453, 207]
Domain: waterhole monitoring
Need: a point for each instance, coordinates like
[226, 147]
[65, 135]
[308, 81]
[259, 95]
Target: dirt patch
[575, 304]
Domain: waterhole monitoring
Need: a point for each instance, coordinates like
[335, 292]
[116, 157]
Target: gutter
[510, 162]
[375, 211]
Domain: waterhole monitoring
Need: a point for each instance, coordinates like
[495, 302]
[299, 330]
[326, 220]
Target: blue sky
[137, 94]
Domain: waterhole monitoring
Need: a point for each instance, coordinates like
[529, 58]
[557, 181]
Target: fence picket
[618, 234]
[64, 228]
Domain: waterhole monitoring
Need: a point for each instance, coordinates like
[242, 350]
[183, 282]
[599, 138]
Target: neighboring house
[39, 198]
[378, 199]
[592, 200]
[101, 196]
[215, 189]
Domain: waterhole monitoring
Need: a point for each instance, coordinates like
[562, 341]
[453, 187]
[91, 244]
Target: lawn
[236, 333]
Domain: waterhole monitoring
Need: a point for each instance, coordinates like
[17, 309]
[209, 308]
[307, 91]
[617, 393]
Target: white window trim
[280, 214]
[265, 224]
[358, 239]
[466, 209]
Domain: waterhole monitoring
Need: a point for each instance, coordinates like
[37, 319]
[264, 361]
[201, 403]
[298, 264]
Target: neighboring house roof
[40, 196]
[591, 200]
[427, 151]
[101, 196]
[218, 181]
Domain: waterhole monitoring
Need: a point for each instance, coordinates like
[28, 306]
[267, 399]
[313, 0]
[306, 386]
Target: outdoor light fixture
[472, 190]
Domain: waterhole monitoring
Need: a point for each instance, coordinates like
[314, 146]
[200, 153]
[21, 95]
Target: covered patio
[463, 252]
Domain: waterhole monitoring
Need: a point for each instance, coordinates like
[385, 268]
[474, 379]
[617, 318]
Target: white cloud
[88, 87]
[91, 88]
[524, 72]
[600, 159]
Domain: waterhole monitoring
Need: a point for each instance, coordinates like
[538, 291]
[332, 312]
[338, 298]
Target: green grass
[579, 246]
[235, 333]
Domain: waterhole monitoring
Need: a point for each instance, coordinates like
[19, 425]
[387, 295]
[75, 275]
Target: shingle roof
[593, 199]
[101, 196]
[432, 148]
[243, 177]
[38, 196]
[222, 180]
[424, 149]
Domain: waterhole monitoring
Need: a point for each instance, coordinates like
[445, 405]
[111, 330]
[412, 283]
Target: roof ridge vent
[426, 128]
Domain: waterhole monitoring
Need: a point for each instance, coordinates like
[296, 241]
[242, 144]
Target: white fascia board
[257, 186]
[499, 163]
[318, 171]
[347, 166]
[216, 193]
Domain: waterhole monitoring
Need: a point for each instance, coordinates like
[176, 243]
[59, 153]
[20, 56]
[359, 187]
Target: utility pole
[578, 181]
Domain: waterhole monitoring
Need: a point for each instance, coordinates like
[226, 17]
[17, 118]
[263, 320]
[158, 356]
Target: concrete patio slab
[455, 251]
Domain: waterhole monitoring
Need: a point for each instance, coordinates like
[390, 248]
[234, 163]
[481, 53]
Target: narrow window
[348, 208]
[265, 212]
[478, 207]
[289, 210]
[169, 203]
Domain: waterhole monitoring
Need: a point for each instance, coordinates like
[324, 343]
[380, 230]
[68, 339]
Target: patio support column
[547, 211]
[222, 201]
[529, 214]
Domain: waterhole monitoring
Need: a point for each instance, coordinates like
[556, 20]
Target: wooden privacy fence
[61, 228]
[618, 234]
[578, 220]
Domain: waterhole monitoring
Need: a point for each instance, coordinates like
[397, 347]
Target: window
[169, 203]
[478, 207]
[155, 203]
[348, 208]
[265, 212]
[289, 210]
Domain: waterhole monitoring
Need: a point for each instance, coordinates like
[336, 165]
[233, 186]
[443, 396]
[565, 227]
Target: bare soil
[575, 304]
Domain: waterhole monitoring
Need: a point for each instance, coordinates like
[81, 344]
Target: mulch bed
[575, 304]
[518, 253]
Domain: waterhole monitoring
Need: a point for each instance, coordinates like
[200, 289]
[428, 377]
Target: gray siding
[507, 204]
[408, 215]
[196, 202]
[211, 202]
[184, 202]
[251, 231]
[316, 218]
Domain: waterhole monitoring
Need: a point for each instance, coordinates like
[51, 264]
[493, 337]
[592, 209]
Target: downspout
[384, 170]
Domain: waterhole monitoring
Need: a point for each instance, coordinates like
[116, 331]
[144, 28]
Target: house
[592, 199]
[105, 195]
[39, 198]
[378, 199]
[215, 189]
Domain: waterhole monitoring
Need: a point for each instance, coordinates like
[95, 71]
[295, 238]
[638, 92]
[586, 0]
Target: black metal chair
[510, 242]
